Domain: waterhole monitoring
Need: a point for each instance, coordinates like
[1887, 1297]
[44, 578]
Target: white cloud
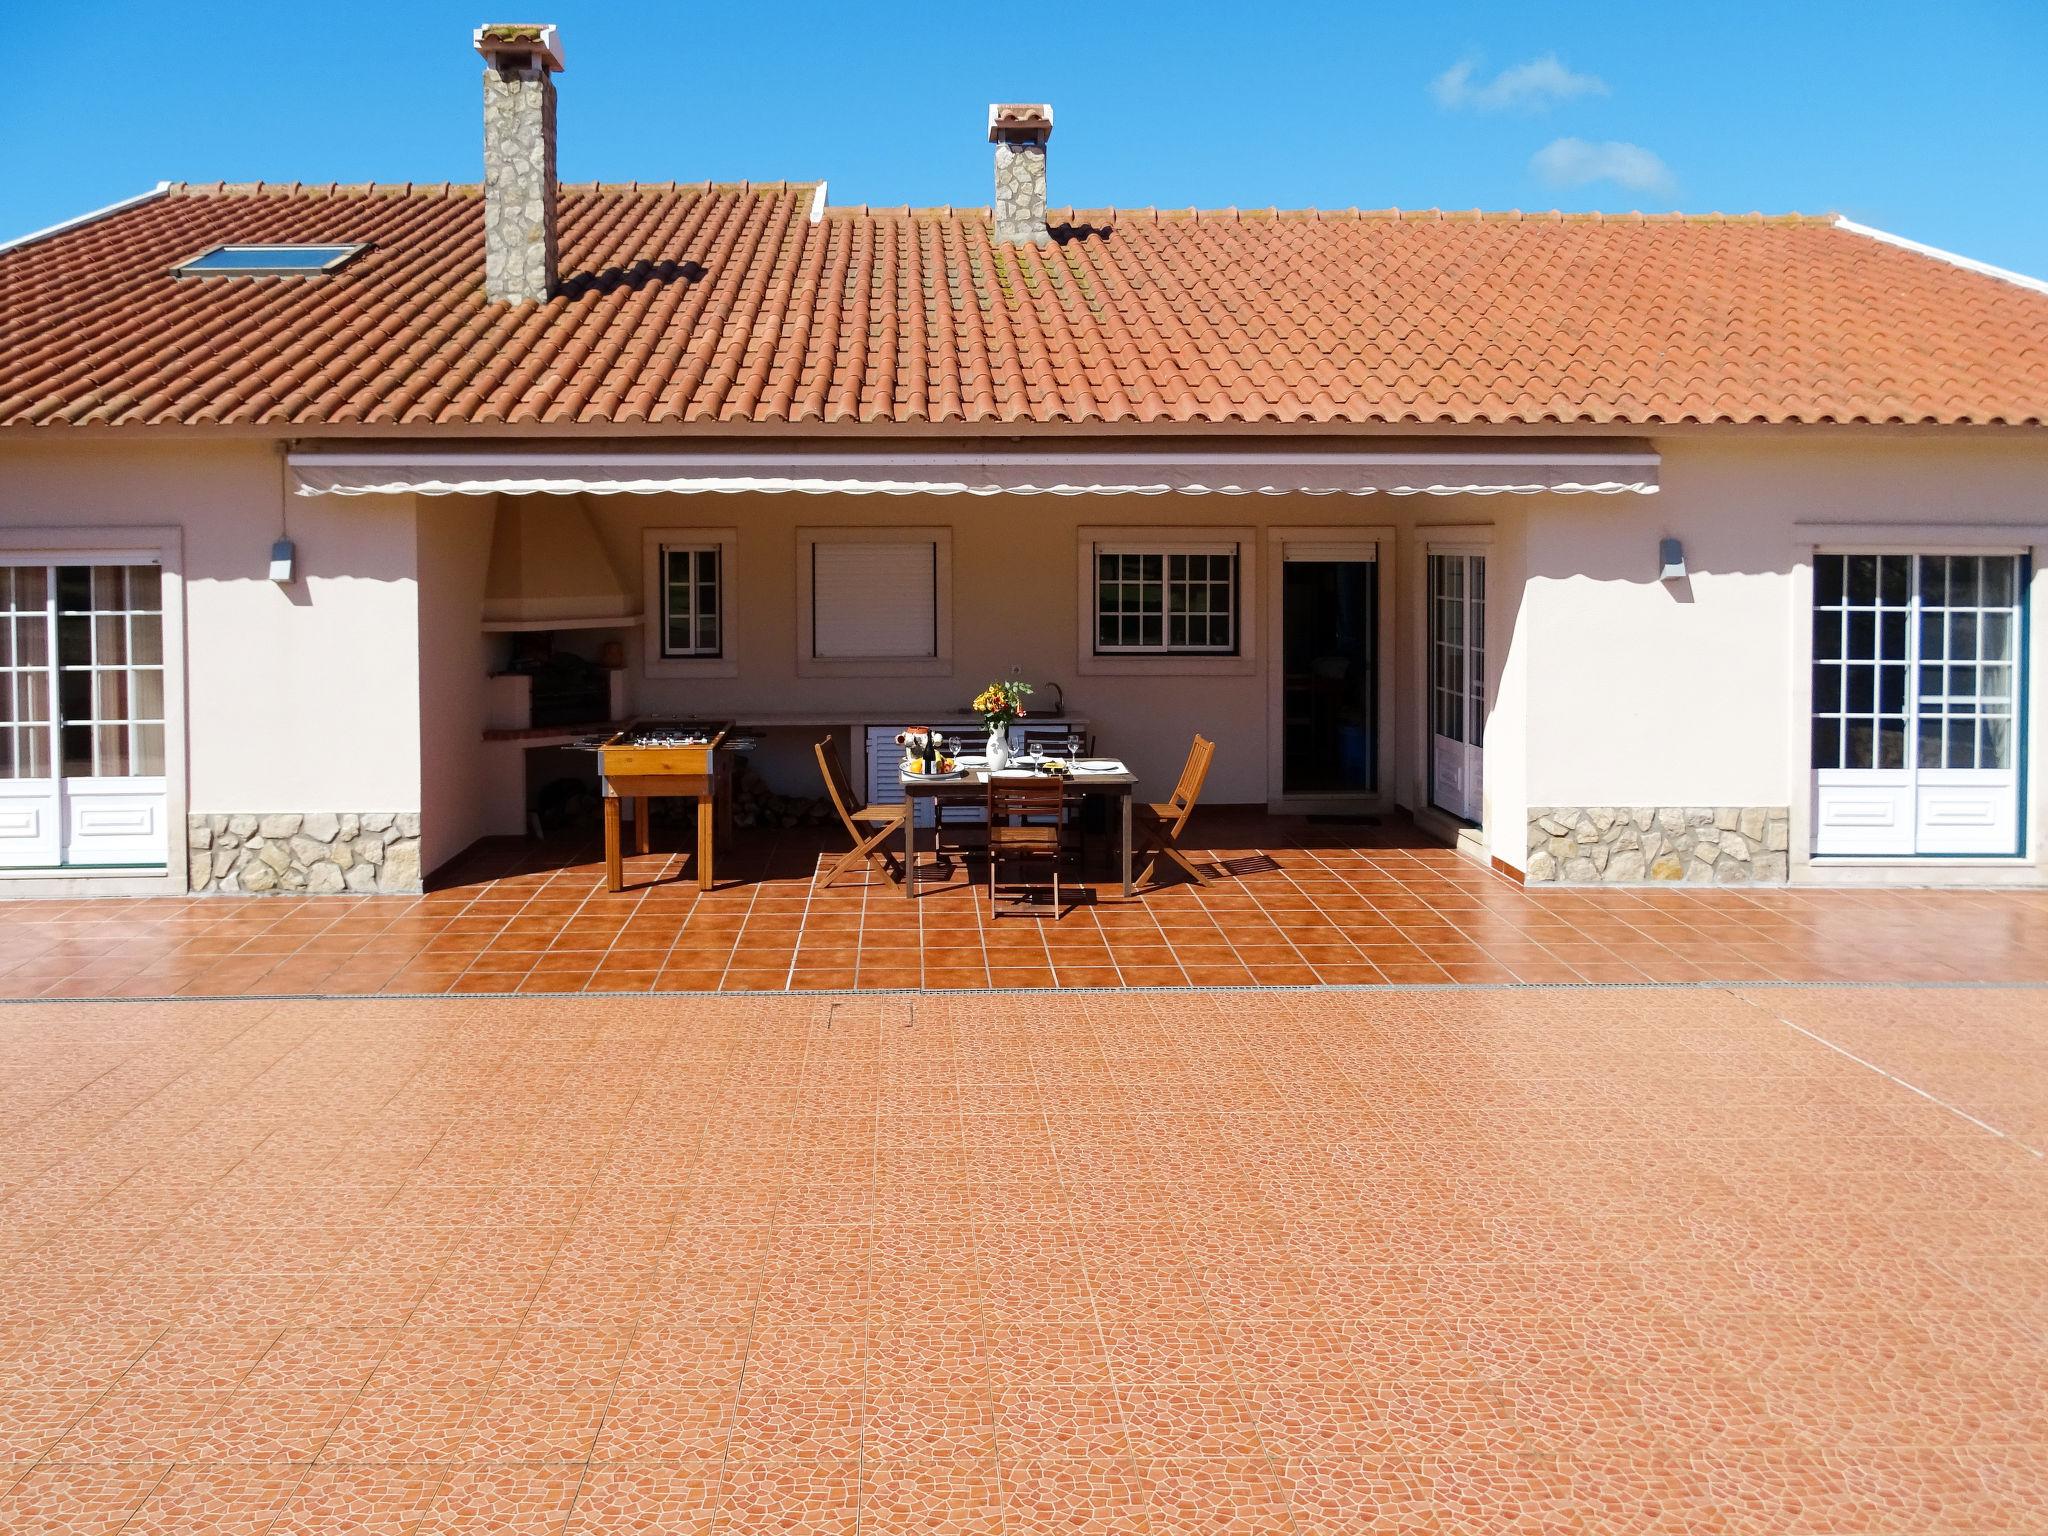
[1526, 87]
[1575, 162]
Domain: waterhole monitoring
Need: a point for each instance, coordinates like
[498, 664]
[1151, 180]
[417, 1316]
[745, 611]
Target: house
[1624, 549]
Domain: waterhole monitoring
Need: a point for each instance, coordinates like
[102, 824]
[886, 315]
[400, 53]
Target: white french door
[1457, 682]
[1916, 703]
[81, 716]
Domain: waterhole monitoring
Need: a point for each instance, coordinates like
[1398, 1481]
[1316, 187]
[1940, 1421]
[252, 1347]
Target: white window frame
[939, 664]
[111, 544]
[1914, 538]
[654, 599]
[1176, 540]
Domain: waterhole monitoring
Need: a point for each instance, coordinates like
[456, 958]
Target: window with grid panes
[1448, 609]
[81, 671]
[1916, 661]
[1166, 601]
[692, 601]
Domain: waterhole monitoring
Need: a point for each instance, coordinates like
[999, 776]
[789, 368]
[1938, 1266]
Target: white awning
[1553, 470]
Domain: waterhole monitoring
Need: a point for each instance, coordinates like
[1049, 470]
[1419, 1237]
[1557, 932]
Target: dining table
[968, 785]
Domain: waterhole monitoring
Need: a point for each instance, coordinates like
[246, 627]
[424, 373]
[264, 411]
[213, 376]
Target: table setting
[936, 767]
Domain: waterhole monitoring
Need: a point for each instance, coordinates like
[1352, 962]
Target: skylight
[261, 260]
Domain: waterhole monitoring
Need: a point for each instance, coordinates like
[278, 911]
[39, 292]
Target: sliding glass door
[81, 716]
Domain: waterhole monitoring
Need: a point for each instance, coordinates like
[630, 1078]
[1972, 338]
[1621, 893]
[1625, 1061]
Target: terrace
[1289, 1263]
[1298, 904]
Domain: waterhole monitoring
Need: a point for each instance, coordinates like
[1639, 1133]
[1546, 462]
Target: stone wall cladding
[519, 184]
[1644, 845]
[1020, 194]
[312, 853]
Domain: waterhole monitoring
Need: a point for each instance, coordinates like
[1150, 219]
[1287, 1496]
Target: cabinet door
[885, 783]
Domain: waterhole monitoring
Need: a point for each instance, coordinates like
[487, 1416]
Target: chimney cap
[1019, 122]
[515, 42]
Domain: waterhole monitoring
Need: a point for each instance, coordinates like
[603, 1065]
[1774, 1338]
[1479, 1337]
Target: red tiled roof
[692, 306]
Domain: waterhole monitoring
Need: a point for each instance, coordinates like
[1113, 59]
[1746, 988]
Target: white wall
[299, 698]
[1506, 741]
[1645, 693]
[454, 546]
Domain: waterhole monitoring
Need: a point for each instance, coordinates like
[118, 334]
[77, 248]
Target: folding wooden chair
[1156, 828]
[1025, 817]
[870, 826]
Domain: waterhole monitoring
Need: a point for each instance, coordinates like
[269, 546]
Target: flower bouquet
[1000, 706]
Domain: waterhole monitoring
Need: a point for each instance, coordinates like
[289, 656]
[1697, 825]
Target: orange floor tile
[1730, 1260]
[1293, 904]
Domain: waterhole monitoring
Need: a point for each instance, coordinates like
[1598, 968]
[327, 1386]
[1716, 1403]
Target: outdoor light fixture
[1671, 555]
[281, 560]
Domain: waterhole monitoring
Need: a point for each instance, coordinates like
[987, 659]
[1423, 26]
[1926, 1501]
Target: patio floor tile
[1293, 905]
[1689, 1259]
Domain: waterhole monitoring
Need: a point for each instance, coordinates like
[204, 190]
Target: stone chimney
[1019, 131]
[520, 61]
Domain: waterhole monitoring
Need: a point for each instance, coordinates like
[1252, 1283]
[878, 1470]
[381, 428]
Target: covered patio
[1305, 607]
[1297, 902]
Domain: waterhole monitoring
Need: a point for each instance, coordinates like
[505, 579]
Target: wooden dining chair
[870, 826]
[1156, 828]
[1025, 818]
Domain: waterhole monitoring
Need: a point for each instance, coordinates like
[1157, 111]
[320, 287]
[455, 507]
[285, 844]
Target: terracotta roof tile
[698, 305]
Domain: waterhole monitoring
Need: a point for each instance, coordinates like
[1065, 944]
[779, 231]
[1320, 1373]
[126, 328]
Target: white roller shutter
[874, 601]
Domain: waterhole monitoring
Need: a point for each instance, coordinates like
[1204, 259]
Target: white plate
[927, 778]
[1098, 765]
[1014, 773]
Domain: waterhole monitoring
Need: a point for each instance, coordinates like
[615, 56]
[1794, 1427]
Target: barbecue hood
[548, 566]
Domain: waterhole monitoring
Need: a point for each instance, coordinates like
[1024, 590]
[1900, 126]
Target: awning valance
[1551, 469]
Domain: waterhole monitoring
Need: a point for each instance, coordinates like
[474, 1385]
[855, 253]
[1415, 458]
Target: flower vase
[999, 749]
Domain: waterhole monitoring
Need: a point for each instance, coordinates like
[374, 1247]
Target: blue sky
[1927, 120]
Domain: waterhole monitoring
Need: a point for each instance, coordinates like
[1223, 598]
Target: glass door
[81, 716]
[1457, 661]
[1329, 670]
[1916, 703]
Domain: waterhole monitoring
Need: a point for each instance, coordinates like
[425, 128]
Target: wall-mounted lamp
[1671, 555]
[281, 560]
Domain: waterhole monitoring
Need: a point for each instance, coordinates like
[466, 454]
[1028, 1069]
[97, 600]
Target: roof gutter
[94, 217]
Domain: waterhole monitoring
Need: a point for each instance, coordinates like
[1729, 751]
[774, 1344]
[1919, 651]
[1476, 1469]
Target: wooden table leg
[909, 847]
[707, 814]
[643, 824]
[614, 867]
[1125, 797]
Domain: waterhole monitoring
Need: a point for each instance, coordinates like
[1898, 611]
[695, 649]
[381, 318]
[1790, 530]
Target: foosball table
[656, 759]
